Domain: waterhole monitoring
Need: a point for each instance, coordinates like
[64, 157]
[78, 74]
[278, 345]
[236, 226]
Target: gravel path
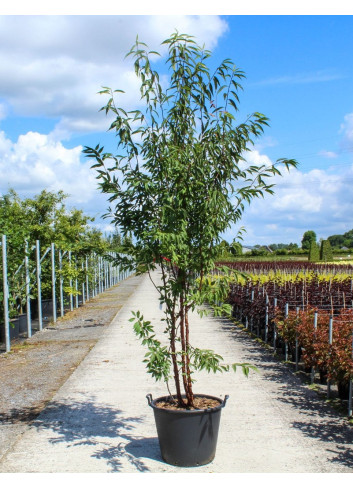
[37, 367]
[99, 420]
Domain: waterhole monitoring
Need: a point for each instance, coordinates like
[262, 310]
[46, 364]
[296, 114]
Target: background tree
[342, 240]
[236, 248]
[281, 252]
[177, 183]
[46, 218]
[308, 237]
[283, 246]
[314, 252]
[223, 250]
[326, 251]
[115, 241]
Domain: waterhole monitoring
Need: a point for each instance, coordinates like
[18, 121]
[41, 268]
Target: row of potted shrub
[330, 354]
[18, 323]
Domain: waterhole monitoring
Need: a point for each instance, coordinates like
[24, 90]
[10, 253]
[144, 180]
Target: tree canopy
[45, 217]
[342, 240]
[308, 237]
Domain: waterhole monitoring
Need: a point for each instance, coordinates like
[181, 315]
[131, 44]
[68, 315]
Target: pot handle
[224, 401]
[149, 399]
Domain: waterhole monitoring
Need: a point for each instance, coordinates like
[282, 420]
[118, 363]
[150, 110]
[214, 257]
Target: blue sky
[299, 74]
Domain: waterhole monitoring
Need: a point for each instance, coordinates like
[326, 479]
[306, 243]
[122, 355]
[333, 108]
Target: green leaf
[177, 183]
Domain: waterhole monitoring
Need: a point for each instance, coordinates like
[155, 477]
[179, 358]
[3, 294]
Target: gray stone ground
[99, 420]
[36, 368]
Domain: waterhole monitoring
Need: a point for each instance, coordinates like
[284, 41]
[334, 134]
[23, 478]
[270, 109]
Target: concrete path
[99, 421]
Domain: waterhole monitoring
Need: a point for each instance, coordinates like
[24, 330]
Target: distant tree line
[321, 250]
[46, 217]
[340, 241]
[324, 249]
[229, 250]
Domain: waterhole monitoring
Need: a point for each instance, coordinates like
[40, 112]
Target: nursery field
[302, 309]
[273, 258]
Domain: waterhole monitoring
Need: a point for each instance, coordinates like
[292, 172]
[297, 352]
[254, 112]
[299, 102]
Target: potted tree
[179, 181]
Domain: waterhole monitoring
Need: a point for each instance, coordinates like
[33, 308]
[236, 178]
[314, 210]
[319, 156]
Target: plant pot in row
[47, 308]
[14, 330]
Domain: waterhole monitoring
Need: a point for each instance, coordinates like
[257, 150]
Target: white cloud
[265, 142]
[301, 78]
[347, 129]
[302, 200]
[321, 200]
[328, 154]
[254, 157]
[54, 66]
[36, 162]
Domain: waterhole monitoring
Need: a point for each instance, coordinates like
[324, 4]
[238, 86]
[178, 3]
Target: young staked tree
[179, 180]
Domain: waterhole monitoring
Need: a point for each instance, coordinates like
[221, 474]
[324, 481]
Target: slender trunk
[191, 394]
[183, 345]
[172, 344]
[175, 364]
[184, 334]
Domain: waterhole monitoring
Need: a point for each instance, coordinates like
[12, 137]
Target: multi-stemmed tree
[179, 180]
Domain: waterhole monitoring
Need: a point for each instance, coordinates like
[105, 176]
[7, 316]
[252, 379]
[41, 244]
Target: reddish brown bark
[191, 394]
[184, 335]
[173, 347]
[175, 364]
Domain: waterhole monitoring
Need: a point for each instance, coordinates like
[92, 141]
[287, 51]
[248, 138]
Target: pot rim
[151, 402]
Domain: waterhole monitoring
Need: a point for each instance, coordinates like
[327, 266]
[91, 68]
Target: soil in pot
[188, 438]
[200, 403]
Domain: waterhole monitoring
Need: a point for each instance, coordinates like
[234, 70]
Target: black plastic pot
[47, 308]
[187, 438]
[22, 322]
[14, 330]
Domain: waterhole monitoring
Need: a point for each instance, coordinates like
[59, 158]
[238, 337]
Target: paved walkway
[99, 420]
